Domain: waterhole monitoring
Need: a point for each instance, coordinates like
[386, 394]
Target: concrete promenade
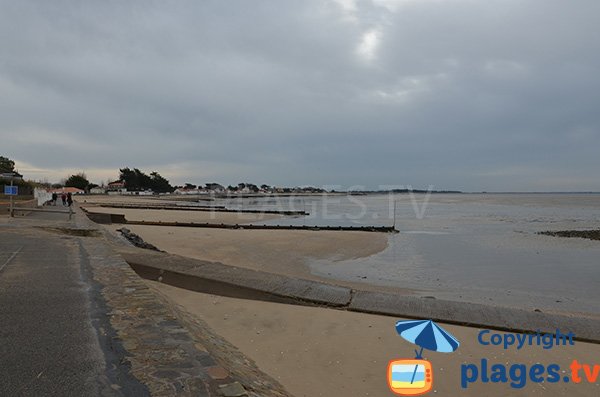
[77, 321]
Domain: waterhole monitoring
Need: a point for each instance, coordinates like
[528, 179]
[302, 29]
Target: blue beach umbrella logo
[411, 377]
[427, 335]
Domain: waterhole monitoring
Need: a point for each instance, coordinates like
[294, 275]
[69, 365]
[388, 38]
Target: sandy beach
[283, 252]
[105, 198]
[325, 352]
[287, 252]
[185, 216]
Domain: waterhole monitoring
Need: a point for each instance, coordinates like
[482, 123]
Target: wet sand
[324, 352]
[283, 252]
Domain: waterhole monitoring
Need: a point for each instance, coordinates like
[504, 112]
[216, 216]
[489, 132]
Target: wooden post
[11, 199]
[394, 225]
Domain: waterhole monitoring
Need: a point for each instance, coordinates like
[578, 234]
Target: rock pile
[136, 239]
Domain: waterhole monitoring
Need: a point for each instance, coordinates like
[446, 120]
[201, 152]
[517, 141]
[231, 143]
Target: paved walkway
[77, 321]
[47, 341]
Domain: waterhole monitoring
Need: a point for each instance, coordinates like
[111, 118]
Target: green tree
[214, 186]
[129, 177]
[138, 180]
[159, 184]
[135, 179]
[6, 164]
[78, 180]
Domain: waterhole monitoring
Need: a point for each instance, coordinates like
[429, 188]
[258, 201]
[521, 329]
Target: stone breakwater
[588, 234]
[376, 229]
[136, 240]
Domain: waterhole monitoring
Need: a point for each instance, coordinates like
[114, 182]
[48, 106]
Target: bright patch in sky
[368, 45]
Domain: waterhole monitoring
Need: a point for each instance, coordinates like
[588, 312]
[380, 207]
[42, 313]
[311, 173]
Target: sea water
[482, 248]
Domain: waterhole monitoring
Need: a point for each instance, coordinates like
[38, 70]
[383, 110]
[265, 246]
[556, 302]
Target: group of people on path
[67, 198]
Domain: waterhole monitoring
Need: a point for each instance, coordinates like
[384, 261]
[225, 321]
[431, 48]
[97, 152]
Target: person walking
[69, 199]
[54, 198]
[64, 198]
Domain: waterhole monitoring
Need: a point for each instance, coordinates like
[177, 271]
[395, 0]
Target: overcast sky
[472, 95]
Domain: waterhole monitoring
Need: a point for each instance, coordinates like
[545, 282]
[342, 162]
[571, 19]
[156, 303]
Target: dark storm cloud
[495, 95]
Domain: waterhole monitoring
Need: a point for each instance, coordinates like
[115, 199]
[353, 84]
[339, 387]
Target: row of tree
[250, 187]
[136, 180]
[6, 165]
[79, 181]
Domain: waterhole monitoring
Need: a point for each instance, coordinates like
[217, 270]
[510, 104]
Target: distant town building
[183, 190]
[115, 186]
[142, 193]
[98, 190]
[215, 187]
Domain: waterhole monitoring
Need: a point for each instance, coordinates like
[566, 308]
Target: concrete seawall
[220, 279]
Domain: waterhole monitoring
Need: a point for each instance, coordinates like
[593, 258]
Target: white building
[98, 190]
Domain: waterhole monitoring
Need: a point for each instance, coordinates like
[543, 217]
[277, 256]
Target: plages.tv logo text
[517, 375]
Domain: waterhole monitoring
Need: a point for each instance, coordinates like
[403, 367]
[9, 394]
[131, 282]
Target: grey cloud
[496, 95]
